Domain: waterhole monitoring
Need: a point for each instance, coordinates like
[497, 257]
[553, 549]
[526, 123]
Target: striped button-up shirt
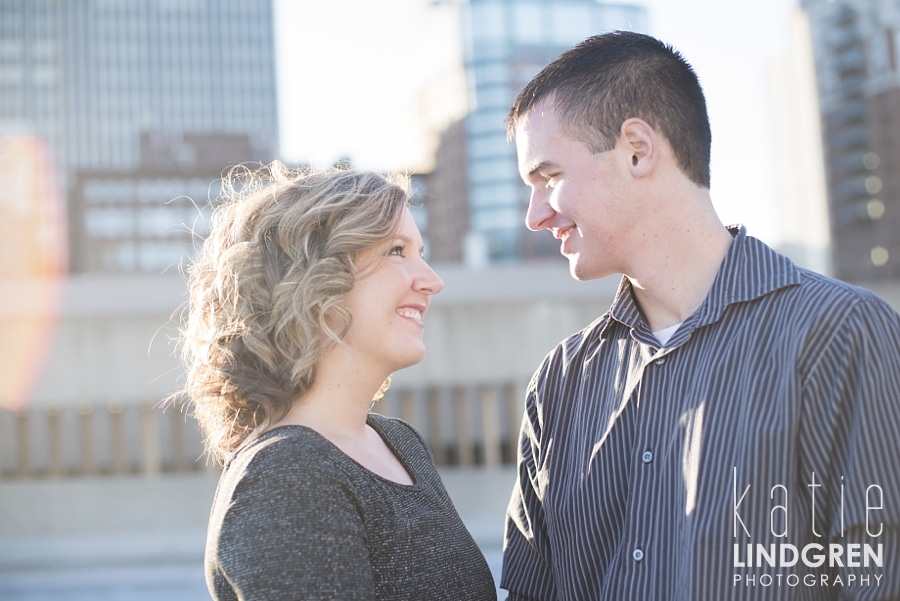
[755, 455]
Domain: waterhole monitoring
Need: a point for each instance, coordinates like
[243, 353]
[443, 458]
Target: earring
[380, 394]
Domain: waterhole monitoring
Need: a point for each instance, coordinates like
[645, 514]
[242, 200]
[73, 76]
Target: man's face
[581, 197]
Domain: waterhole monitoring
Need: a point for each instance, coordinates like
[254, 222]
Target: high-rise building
[94, 78]
[151, 218]
[856, 44]
[506, 43]
[802, 205]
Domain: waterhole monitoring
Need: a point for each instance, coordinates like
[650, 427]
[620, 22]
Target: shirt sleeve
[293, 530]
[526, 571]
[852, 400]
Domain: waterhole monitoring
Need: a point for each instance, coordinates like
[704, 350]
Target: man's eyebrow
[541, 166]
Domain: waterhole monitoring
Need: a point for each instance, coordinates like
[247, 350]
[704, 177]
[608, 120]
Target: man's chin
[578, 274]
[579, 271]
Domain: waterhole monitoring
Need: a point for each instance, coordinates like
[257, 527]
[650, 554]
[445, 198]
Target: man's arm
[527, 572]
[853, 434]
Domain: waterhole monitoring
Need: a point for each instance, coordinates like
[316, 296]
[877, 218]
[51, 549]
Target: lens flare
[33, 258]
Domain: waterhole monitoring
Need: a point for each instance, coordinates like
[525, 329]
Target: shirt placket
[638, 550]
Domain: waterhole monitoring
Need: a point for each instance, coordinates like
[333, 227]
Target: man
[729, 428]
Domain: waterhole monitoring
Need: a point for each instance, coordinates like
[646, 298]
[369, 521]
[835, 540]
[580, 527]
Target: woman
[308, 293]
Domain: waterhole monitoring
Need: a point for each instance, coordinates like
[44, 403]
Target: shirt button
[647, 456]
[637, 554]
[660, 361]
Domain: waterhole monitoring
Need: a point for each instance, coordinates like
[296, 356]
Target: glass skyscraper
[507, 43]
[90, 75]
[107, 82]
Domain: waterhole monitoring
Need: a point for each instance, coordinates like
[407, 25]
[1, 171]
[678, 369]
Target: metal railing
[463, 425]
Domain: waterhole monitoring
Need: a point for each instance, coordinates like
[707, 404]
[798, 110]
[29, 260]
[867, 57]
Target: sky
[349, 68]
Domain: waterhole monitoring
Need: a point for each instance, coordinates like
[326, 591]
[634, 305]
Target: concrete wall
[77, 522]
[136, 520]
[113, 339]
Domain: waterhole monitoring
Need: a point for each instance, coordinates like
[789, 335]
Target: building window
[571, 23]
[488, 146]
[487, 121]
[488, 21]
[502, 169]
[528, 24]
[493, 195]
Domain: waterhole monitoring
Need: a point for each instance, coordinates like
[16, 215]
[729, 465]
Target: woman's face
[390, 298]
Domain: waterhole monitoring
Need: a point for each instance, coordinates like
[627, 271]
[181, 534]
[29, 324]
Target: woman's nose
[428, 280]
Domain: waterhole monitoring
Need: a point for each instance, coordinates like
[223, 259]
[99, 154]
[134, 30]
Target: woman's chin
[414, 357]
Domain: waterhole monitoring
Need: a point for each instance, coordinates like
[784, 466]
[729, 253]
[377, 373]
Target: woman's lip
[413, 311]
[410, 313]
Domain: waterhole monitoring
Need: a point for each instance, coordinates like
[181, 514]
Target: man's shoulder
[819, 310]
[581, 341]
[829, 294]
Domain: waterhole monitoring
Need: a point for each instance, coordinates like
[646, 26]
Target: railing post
[490, 420]
[150, 451]
[54, 442]
[118, 461]
[435, 430]
[179, 442]
[22, 440]
[464, 437]
[515, 408]
[86, 437]
[408, 410]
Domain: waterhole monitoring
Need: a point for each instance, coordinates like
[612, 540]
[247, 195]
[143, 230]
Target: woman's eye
[397, 250]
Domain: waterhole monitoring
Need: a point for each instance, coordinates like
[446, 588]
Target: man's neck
[678, 279]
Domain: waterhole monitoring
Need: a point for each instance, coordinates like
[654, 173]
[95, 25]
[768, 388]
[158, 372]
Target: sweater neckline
[378, 425]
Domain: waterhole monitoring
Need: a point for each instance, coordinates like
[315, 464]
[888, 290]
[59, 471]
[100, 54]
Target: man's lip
[563, 233]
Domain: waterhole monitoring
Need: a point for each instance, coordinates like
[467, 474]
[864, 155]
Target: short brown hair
[606, 79]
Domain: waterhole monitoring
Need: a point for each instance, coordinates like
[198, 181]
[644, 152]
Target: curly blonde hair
[266, 290]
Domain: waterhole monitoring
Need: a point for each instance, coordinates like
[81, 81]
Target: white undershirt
[666, 333]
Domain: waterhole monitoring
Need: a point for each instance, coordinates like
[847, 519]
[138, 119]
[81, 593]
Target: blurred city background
[118, 117]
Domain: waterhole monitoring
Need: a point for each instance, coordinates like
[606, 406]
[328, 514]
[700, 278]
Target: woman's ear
[641, 143]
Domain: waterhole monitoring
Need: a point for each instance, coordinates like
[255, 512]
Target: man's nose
[539, 211]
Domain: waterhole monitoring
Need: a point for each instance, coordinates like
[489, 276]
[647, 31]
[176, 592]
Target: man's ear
[642, 144]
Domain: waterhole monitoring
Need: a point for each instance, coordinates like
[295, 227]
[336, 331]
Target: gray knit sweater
[296, 518]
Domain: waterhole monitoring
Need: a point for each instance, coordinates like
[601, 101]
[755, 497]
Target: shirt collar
[749, 270]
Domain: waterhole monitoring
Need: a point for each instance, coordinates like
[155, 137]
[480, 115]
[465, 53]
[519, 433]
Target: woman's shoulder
[398, 433]
[406, 442]
[284, 450]
[284, 478]
[392, 426]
